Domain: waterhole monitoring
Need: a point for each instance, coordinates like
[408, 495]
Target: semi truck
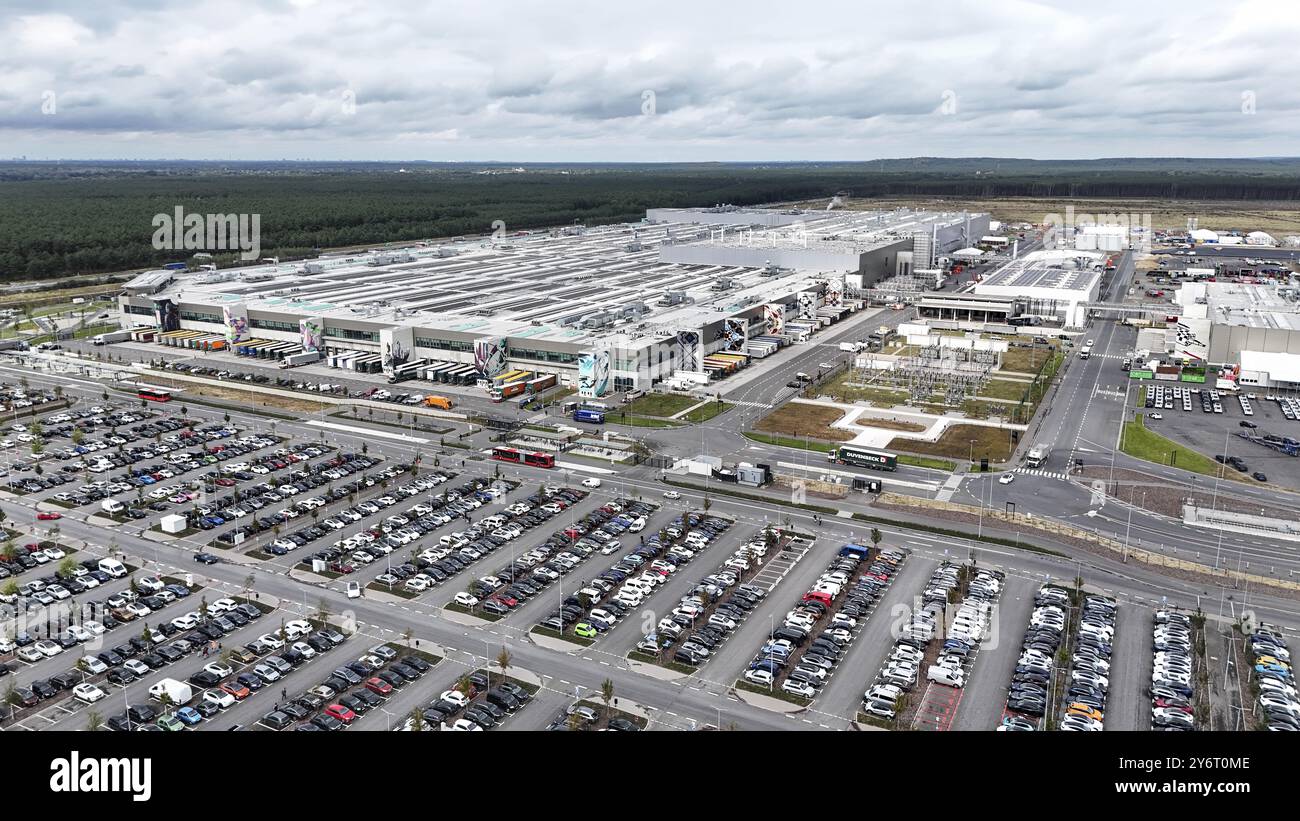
[111, 336]
[296, 359]
[1038, 455]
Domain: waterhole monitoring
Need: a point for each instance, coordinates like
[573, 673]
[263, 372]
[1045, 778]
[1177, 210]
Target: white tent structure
[1260, 238]
[1203, 235]
[967, 253]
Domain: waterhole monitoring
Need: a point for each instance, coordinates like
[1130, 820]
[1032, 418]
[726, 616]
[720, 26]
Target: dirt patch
[798, 419]
[1159, 496]
[993, 444]
[232, 394]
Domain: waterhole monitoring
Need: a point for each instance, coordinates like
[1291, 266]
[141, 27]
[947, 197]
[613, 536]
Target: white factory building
[1255, 327]
[1052, 286]
[686, 296]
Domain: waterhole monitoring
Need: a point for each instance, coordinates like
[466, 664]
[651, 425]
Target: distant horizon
[973, 157]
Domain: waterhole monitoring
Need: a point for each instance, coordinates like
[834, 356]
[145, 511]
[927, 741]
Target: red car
[340, 567]
[341, 713]
[236, 689]
[46, 516]
[378, 686]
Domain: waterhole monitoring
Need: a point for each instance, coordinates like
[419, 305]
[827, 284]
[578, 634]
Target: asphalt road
[692, 701]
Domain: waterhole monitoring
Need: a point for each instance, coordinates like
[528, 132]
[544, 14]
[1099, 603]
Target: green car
[584, 630]
[170, 722]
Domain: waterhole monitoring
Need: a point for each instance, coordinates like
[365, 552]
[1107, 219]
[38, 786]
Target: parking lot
[1185, 420]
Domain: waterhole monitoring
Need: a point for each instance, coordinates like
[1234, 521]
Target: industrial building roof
[1255, 306]
[1280, 367]
[845, 232]
[570, 285]
[1031, 271]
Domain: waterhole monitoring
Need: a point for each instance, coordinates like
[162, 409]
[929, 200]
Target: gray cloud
[564, 80]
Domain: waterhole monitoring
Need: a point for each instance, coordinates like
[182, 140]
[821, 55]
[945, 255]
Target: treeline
[75, 218]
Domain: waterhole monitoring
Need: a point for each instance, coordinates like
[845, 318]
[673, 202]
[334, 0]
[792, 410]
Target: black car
[141, 713]
[327, 722]
[120, 723]
[206, 558]
[277, 720]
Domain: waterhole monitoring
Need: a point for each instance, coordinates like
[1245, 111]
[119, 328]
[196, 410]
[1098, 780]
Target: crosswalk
[746, 404]
[1047, 474]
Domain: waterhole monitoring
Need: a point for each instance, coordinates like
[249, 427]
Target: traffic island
[775, 701]
[459, 615]
[553, 640]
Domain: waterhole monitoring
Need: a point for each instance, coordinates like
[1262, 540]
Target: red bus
[154, 394]
[519, 457]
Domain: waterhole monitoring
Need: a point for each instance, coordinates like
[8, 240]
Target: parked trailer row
[193, 340]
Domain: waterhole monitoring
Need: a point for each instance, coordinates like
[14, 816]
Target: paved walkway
[867, 435]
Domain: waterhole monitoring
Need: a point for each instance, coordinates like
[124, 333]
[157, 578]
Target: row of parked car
[381, 538]
[704, 618]
[63, 425]
[801, 654]
[121, 664]
[160, 497]
[290, 491]
[562, 553]
[499, 593]
[969, 626]
[352, 690]
[221, 685]
[1173, 683]
[264, 495]
[483, 707]
[1278, 703]
[1089, 682]
[1029, 693]
[902, 667]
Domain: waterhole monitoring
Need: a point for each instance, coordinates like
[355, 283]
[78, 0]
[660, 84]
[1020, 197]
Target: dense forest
[64, 218]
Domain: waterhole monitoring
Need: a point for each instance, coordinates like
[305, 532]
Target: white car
[466, 600]
[305, 649]
[92, 665]
[672, 494]
[218, 697]
[88, 693]
[1155, 416]
[220, 670]
[47, 648]
[454, 697]
[591, 482]
[30, 654]
[465, 725]
[1006, 478]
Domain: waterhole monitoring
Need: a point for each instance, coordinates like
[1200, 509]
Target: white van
[179, 692]
[111, 506]
[112, 567]
[951, 676]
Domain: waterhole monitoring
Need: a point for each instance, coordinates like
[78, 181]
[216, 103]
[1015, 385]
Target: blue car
[189, 716]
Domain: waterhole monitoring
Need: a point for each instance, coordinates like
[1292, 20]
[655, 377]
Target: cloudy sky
[557, 80]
